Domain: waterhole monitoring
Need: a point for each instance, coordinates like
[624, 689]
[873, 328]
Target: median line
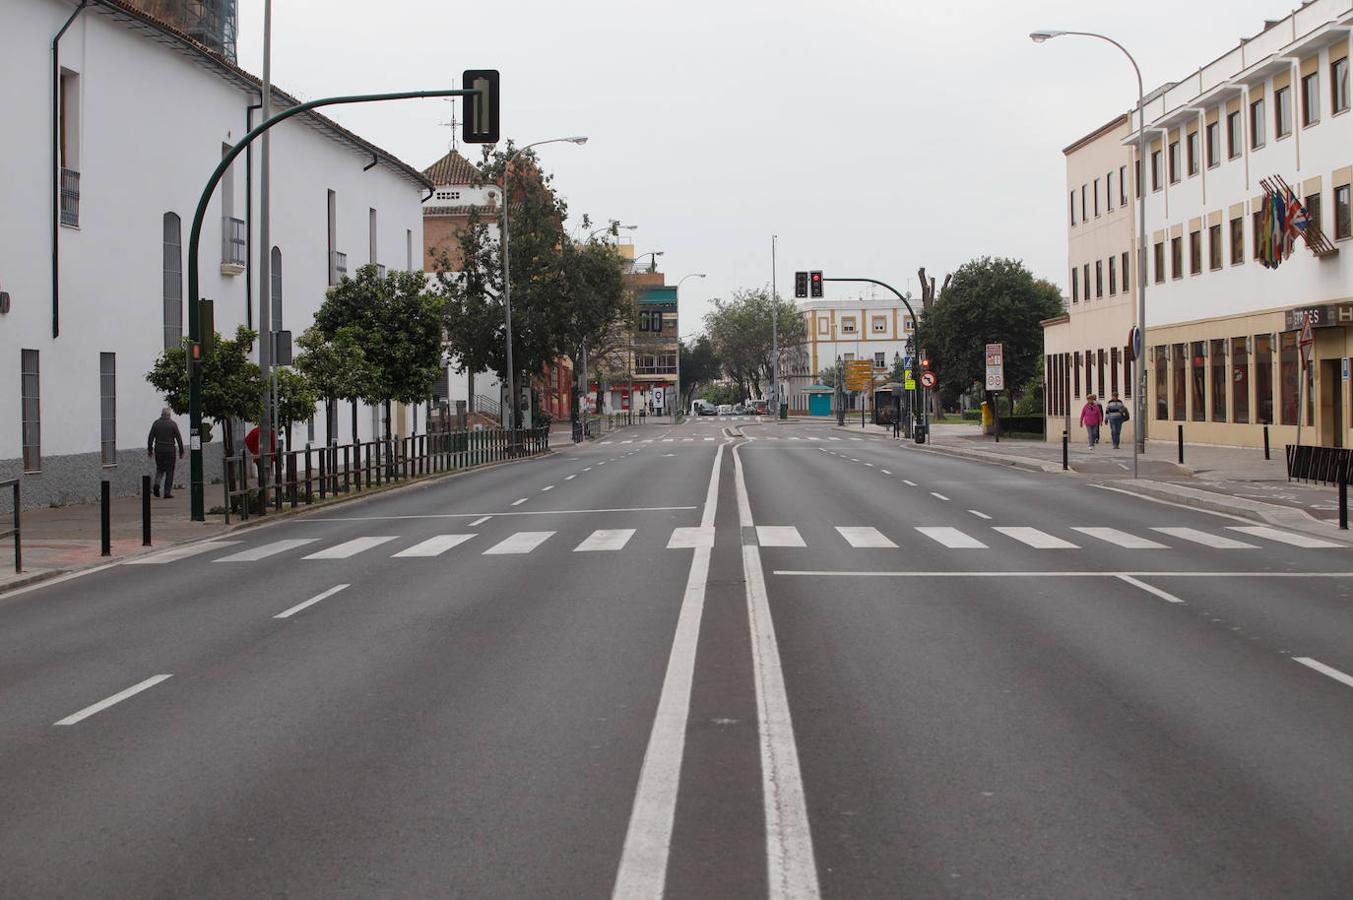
[113, 700]
[288, 613]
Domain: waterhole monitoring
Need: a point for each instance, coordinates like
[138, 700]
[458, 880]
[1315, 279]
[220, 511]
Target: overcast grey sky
[873, 137]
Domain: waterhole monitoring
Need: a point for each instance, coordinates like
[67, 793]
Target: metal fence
[70, 197]
[302, 476]
[14, 531]
[1322, 465]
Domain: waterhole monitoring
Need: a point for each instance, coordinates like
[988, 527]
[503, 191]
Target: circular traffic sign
[1135, 341]
[928, 379]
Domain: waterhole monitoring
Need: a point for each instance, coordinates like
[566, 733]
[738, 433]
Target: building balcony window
[233, 236]
[338, 266]
[70, 198]
[380, 270]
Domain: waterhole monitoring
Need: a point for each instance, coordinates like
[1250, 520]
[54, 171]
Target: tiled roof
[458, 210]
[451, 169]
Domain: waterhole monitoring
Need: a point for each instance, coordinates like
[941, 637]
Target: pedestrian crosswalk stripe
[778, 536]
[1283, 537]
[1215, 541]
[1035, 538]
[265, 550]
[709, 438]
[174, 554]
[833, 439]
[1121, 539]
[686, 538]
[521, 542]
[350, 548]
[952, 538]
[434, 546]
[606, 539]
[627, 442]
[863, 536]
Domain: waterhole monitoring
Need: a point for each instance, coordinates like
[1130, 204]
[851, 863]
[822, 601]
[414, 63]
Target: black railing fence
[1323, 465]
[301, 476]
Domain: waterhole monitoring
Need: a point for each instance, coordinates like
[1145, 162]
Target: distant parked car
[739, 410]
[725, 409]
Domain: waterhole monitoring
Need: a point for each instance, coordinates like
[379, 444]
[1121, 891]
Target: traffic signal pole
[915, 326]
[196, 487]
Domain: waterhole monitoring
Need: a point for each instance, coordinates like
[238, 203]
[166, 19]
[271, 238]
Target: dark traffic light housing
[481, 110]
[815, 284]
[800, 284]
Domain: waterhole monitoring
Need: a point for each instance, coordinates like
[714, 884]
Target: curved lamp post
[513, 420]
[1139, 402]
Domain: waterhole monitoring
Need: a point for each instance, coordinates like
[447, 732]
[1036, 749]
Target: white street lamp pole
[512, 419]
[1139, 403]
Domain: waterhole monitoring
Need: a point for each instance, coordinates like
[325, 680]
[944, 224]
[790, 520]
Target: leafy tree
[988, 300]
[397, 324]
[232, 386]
[594, 306]
[336, 368]
[699, 366]
[721, 392]
[740, 330]
[296, 399]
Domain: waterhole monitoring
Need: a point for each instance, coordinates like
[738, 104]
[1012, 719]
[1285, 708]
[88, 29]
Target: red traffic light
[815, 284]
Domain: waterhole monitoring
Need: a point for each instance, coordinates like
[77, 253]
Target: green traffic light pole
[195, 236]
[915, 326]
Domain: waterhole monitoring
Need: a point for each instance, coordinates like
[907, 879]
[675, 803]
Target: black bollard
[1181, 445]
[1066, 450]
[145, 510]
[106, 518]
[1266, 452]
[1343, 502]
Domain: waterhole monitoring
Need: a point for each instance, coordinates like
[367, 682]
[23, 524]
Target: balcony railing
[70, 197]
[233, 235]
[338, 266]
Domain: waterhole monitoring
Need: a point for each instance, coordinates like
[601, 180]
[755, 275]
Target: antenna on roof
[454, 124]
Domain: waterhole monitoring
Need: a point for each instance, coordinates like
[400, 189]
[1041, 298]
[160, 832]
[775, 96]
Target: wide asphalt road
[727, 658]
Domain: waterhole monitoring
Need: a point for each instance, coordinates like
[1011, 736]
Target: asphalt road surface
[721, 659]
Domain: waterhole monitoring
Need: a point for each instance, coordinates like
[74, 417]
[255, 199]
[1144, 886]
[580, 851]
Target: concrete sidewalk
[1237, 480]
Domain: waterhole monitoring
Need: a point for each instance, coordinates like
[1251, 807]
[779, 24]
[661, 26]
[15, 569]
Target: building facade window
[30, 401]
[1233, 139]
[1099, 278]
[1122, 186]
[1240, 381]
[1256, 222]
[1085, 280]
[331, 220]
[1237, 240]
[1075, 285]
[1213, 144]
[1192, 153]
[880, 360]
[172, 268]
[1155, 170]
[1162, 361]
[1084, 190]
[1076, 379]
[1220, 380]
[1195, 252]
[1310, 99]
[371, 235]
[1313, 208]
[1198, 372]
[1214, 252]
[1113, 276]
[1257, 124]
[1343, 223]
[1100, 371]
[847, 324]
[878, 324]
[1160, 262]
[1263, 379]
[1179, 370]
[1339, 85]
[1288, 372]
[1073, 209]
[1177, 257]
[1174, 162]
[1282, 112]
[108, 408]
[275, 275]
[1113, 371]
[1126, 278]
[1108, 191]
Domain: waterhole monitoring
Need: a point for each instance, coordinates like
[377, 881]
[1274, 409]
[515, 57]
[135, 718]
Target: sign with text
[995, 368]
[1326, 316]
[859, 374]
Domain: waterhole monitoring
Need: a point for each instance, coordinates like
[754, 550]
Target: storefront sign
[1327, 316]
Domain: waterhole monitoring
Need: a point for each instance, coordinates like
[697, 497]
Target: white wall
[152, 124]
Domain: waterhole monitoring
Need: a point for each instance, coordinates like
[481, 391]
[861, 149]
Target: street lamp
[680, 401]
[1139, 440]
[613, 224]
[507, 268]
[653, 265]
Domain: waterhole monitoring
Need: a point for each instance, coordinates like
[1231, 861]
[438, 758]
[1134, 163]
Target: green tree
[396, 321]
[296, 399]
[232, 386]
[594, 306]
[699, 366]
[721, 392]
[988, 300]
[336, 368]
[740, 330]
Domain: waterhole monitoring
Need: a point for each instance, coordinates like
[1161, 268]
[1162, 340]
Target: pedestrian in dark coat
[164, 437]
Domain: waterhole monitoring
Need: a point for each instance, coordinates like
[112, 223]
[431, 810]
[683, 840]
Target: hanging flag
[1264, 239]
[1298, 219]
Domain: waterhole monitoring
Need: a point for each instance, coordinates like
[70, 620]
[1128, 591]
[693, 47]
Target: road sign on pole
[1135, 342]
[995, 368]
[928, 380]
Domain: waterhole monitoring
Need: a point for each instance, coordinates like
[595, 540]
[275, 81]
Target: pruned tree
[232, 385]
[699, 366]
[336, 368]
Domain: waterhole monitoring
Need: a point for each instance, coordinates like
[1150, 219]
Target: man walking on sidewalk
[1116, 413]
[160, 444]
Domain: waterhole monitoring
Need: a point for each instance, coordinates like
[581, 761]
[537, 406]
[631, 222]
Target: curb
[991, 458]
[1256, 510]
[32, 578]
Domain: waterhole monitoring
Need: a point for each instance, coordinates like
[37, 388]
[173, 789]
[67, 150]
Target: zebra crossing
[970, 537]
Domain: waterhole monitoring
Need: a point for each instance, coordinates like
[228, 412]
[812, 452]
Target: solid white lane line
[605, 539]
[1121, 539]
[1150, 589]
[548, 487]
[350, 548]
[176, 553]
[885, 471]
[265, 550]
[779, 536]
[980, 515]
[949, 573]
[1039, 540]
[951, 538]
[288, 613]
[648, 839]
[588, 469]
[908, 482]
[519, 502]
[1341, 677]
[480, 521]
[864, 536]
[116, 698]
[701, 536]
[570, 477]
[521, 542]
[1283, 537]
[791, 871]
[433, 546]
[1215, 541]
[870, 465]
[938, 496]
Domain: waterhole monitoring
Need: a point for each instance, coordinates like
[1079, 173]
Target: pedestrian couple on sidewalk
[1093, 415]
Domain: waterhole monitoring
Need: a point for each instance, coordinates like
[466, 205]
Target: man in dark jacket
[160, 444]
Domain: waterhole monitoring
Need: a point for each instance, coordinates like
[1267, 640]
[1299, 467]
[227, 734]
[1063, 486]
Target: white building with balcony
[110, 142]
[1222, 328]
